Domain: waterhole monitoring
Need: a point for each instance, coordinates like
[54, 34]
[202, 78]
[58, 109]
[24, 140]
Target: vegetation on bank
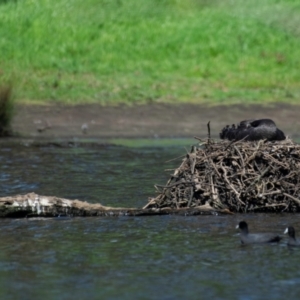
[6, 110]
[136, 51]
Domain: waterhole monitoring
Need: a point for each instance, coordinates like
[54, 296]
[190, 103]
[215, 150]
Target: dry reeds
[6, 110]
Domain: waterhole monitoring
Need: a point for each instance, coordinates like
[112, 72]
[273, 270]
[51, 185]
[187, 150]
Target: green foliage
[6, 1]
[131, 51]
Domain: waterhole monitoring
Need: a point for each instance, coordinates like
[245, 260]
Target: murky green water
[158, 257]
[111, 175]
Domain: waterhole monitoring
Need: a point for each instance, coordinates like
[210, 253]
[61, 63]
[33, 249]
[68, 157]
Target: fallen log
[34, 205]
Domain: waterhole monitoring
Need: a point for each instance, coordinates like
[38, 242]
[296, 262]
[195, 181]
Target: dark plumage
[256, 238]
[253, 130]
[292, 237]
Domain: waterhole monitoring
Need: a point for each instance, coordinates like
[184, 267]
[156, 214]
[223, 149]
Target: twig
[291, 197]
[208, 129]
[231, 186]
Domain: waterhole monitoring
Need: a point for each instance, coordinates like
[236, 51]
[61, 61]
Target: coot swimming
[255, 238]
[292, 237]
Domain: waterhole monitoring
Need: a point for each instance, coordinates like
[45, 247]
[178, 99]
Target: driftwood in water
[239, 176]
[33, 205]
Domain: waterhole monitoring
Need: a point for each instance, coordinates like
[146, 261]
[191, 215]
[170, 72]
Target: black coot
[255, 238]
[292, 237]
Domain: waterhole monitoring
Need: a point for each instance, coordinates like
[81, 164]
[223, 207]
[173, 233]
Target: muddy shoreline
[144, 121]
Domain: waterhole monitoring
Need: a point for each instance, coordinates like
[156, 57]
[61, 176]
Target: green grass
[137, 51]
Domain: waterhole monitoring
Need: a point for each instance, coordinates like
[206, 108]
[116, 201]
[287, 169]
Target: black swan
[256, 238]
[253, 130]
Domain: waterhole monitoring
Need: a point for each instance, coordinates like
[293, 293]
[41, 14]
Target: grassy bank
[111, 51]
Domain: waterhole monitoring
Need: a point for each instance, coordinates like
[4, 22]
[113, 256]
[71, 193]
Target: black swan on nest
[253, 130]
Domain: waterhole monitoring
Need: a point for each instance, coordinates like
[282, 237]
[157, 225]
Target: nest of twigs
[239, 176]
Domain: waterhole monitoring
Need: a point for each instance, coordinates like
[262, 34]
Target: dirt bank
[153, 120]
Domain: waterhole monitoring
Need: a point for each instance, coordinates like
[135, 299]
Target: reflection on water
[157, 257]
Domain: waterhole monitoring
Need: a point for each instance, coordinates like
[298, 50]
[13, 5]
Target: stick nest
[236, 176]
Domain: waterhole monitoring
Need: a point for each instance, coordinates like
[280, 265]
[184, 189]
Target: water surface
[157, 257]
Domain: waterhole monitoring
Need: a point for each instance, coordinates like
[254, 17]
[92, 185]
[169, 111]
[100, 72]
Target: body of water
[154, 257]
